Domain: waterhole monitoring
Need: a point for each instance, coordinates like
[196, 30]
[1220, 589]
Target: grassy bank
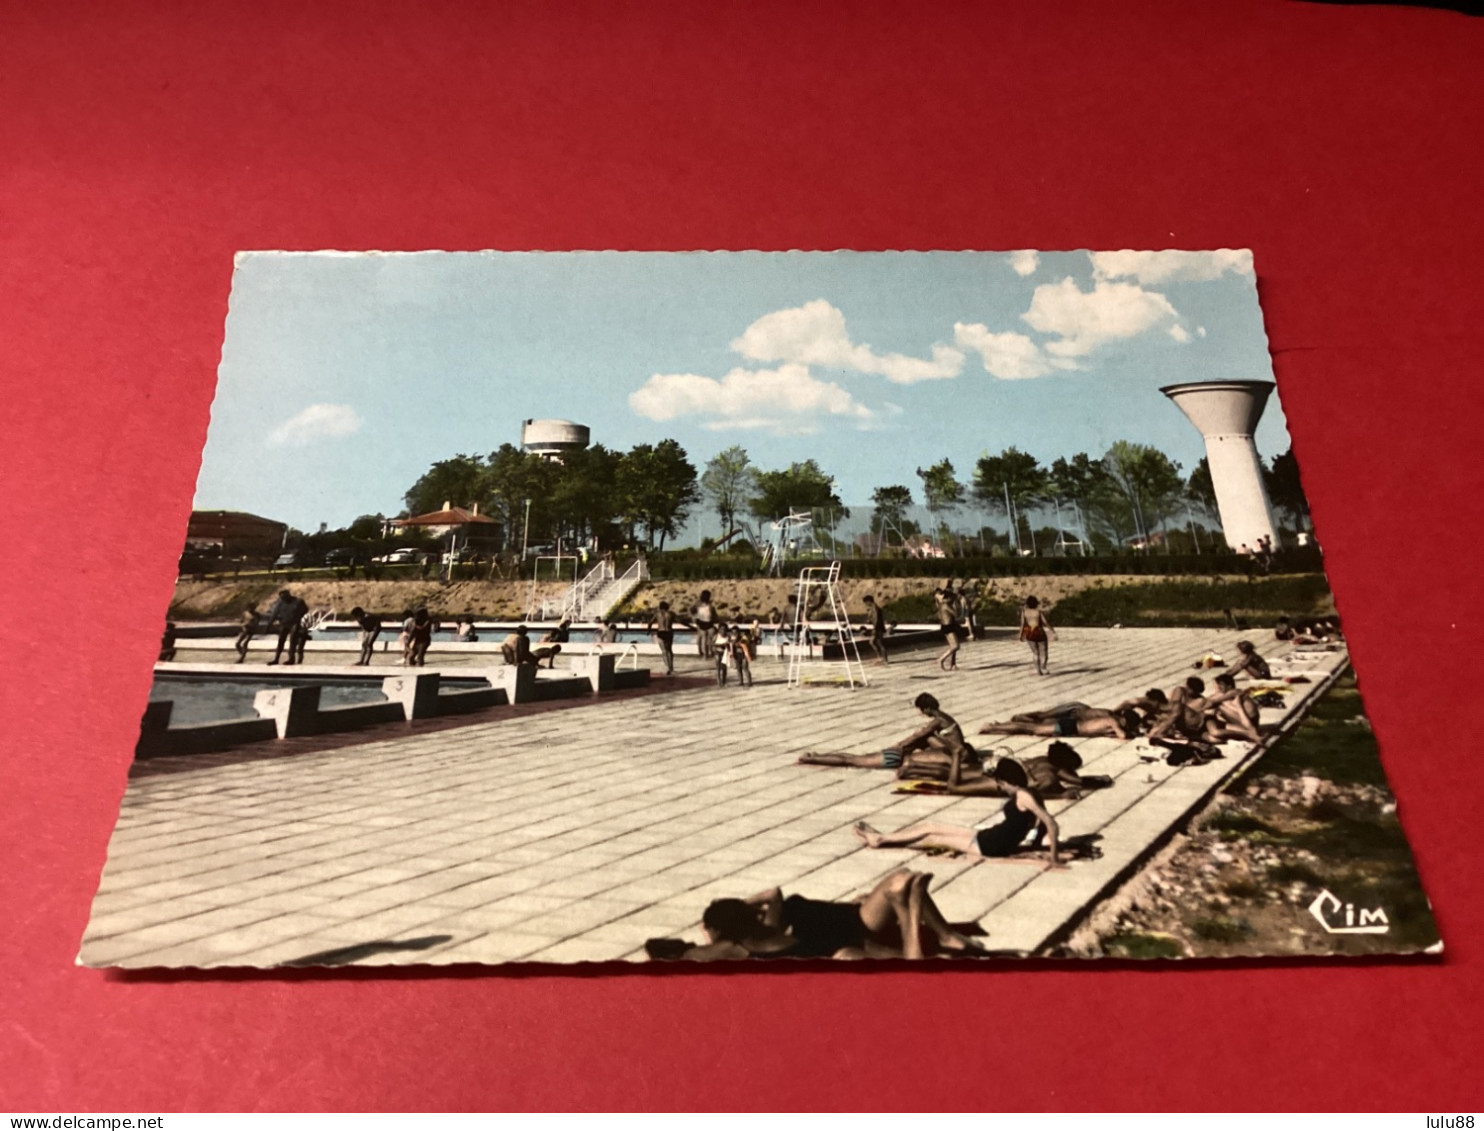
[1314, 814]
[1073, 600]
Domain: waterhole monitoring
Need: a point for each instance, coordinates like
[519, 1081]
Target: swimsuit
[1065, 725]
[820, 929]
[1004, 839]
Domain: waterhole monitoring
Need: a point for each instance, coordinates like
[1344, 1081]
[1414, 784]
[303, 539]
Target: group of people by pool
[898, 918]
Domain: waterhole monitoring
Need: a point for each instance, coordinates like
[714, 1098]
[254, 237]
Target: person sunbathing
[886, 923]
[1133, 715]
[938, 741]
[1056, 774]
[1069, 720]
[1186, 714]
[1249, 663]
[1023, 812]
[1231, 714]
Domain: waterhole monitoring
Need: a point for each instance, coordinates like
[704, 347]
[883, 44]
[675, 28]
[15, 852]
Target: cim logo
[1344, 919]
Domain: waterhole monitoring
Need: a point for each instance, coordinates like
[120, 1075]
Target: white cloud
[1179, 333]
[1155, 267]
[1010, 356]
[1084, 320]
[1024, 262]
[786, 400]
[317, 422]
[815, 334]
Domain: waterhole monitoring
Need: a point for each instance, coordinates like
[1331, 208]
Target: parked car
[342, 556]
[400, 557]
[286, 561]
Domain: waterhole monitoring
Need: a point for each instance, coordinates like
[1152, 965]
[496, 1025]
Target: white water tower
[1227, 412]
[552, 439]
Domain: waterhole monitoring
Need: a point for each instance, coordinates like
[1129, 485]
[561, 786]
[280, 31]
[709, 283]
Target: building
[234, 534]
[552, 439]
[470, 528]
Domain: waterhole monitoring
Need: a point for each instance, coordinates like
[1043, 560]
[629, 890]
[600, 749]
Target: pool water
[206, 699]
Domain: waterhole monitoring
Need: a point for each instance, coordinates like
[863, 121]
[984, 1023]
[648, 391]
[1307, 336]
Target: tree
[889, 506]
[584, 499]
[1014, 474]
[1148, 479]
[1200, 489]
[1285, 489]
[802, 486]
[511, 477]
[941, 491]
[656, 486]
[459, 481]
[728, 481]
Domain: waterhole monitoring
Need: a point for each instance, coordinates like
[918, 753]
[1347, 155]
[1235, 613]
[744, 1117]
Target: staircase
[594, 595]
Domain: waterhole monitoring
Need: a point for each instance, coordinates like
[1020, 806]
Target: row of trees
[593, 494]
[1130, 492]
[648, 493]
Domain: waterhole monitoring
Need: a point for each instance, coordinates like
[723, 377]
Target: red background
[142, 144]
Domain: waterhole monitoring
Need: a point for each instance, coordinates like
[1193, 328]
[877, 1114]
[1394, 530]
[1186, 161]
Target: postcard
[606, 607]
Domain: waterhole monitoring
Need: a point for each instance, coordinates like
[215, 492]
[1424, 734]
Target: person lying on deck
[886, 923]
[1134, 715]
[1056, 774]
[1023, 812]
[939, 740]
[1070, 720]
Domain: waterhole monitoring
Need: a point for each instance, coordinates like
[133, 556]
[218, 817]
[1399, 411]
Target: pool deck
[574, 835]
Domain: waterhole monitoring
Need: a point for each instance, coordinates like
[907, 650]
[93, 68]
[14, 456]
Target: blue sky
[344, 376]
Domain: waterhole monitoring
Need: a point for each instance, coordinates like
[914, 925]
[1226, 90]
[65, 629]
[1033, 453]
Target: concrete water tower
[552, 439]
[1227, 413]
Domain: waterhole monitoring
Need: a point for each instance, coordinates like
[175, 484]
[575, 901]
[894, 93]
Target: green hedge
[688, 568]
[1196, 604]
[918, 608]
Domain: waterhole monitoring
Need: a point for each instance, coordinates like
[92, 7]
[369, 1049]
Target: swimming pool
[213, 699]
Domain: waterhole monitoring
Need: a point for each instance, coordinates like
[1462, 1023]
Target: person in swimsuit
[1132, 714]
[662, 628]
[1056, 774]
[370, 626]
[738, 651]
[940, 735]
[286, 613]
[1186, 715]
[1023, 812]
[245, 633]
[516, 648]
[1036, 631]
[876, 626]
[465, 633]
[885, 923]
[947, 613]
[419, 638]
[705, 622]
[1250, 663]
[1074, 720]
[1231, 713]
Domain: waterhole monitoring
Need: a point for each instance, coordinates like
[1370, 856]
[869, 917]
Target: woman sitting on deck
[1023, 812]
[886, 923]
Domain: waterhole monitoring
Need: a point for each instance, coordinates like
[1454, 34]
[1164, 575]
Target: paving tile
[477, 833]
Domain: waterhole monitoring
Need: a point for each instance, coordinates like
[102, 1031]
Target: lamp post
[525, 533]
